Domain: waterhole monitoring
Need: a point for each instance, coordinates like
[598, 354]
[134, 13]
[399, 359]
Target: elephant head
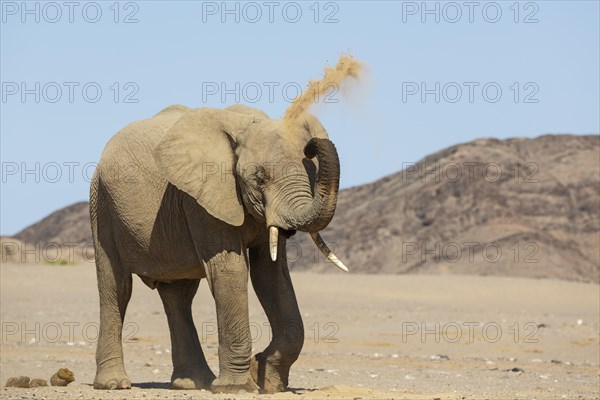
[238, 162]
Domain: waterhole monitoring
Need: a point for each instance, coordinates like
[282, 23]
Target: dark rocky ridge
[67, 225]
[538, 200]
[516, 207]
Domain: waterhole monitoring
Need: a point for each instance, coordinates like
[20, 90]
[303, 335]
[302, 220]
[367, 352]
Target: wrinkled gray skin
[190, 194]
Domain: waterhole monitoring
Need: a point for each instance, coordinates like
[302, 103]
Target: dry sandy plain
[367, 336]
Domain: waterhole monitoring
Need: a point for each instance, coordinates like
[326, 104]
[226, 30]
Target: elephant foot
[234, 386]
[112, 379]
[269, 377]
[190, 381]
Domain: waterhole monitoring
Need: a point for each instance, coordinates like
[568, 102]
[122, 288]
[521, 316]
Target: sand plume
[333, 77]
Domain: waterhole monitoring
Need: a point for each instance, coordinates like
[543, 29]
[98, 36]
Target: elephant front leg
[190, 369]
[273, 286]
[227, 273]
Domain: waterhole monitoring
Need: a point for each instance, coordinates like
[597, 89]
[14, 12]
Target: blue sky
[491, 69]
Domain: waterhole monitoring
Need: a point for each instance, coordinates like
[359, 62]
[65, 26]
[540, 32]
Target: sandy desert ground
[367, 336]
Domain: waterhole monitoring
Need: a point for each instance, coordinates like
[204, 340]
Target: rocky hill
[69, 224]
[516, 207]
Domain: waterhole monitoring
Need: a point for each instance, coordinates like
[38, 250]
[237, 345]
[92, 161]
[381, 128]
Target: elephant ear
[196, 155]
[313, 125]
[258, 115]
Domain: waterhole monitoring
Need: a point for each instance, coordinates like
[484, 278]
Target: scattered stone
[62, 377]
[517, 370]
[37, 382]
[440, 357]
[18, 381]
[542, 325]
[556, 361]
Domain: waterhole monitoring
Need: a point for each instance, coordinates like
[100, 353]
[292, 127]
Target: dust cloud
[347, 67]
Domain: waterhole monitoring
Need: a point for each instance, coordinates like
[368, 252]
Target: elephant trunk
[296, 207]
[327, 185]
[311, 212]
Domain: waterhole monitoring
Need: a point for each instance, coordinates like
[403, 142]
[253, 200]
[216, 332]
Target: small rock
[18, 381]
[556, 361]
[517, 370]
[579, 322]
[542, 325]
[440, 357]
[62, 377]
[37, 382]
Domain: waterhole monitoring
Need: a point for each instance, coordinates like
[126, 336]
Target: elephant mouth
[288, 233]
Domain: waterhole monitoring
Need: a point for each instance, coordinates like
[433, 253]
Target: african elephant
[209, 193]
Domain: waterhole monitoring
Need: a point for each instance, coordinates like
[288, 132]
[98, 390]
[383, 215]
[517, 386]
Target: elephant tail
[94, 206]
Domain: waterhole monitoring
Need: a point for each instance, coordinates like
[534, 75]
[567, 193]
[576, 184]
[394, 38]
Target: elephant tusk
[326, 252]
[273, 236]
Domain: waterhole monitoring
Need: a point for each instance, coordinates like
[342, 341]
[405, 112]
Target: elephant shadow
[152, 385]
[167, 385]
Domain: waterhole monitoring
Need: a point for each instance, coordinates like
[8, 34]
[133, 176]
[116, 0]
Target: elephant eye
[262, 177]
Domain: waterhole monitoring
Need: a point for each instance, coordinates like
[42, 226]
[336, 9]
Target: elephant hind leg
[190, 369]
[114, 286]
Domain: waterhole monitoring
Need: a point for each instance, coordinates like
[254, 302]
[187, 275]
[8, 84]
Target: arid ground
[367, 336]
